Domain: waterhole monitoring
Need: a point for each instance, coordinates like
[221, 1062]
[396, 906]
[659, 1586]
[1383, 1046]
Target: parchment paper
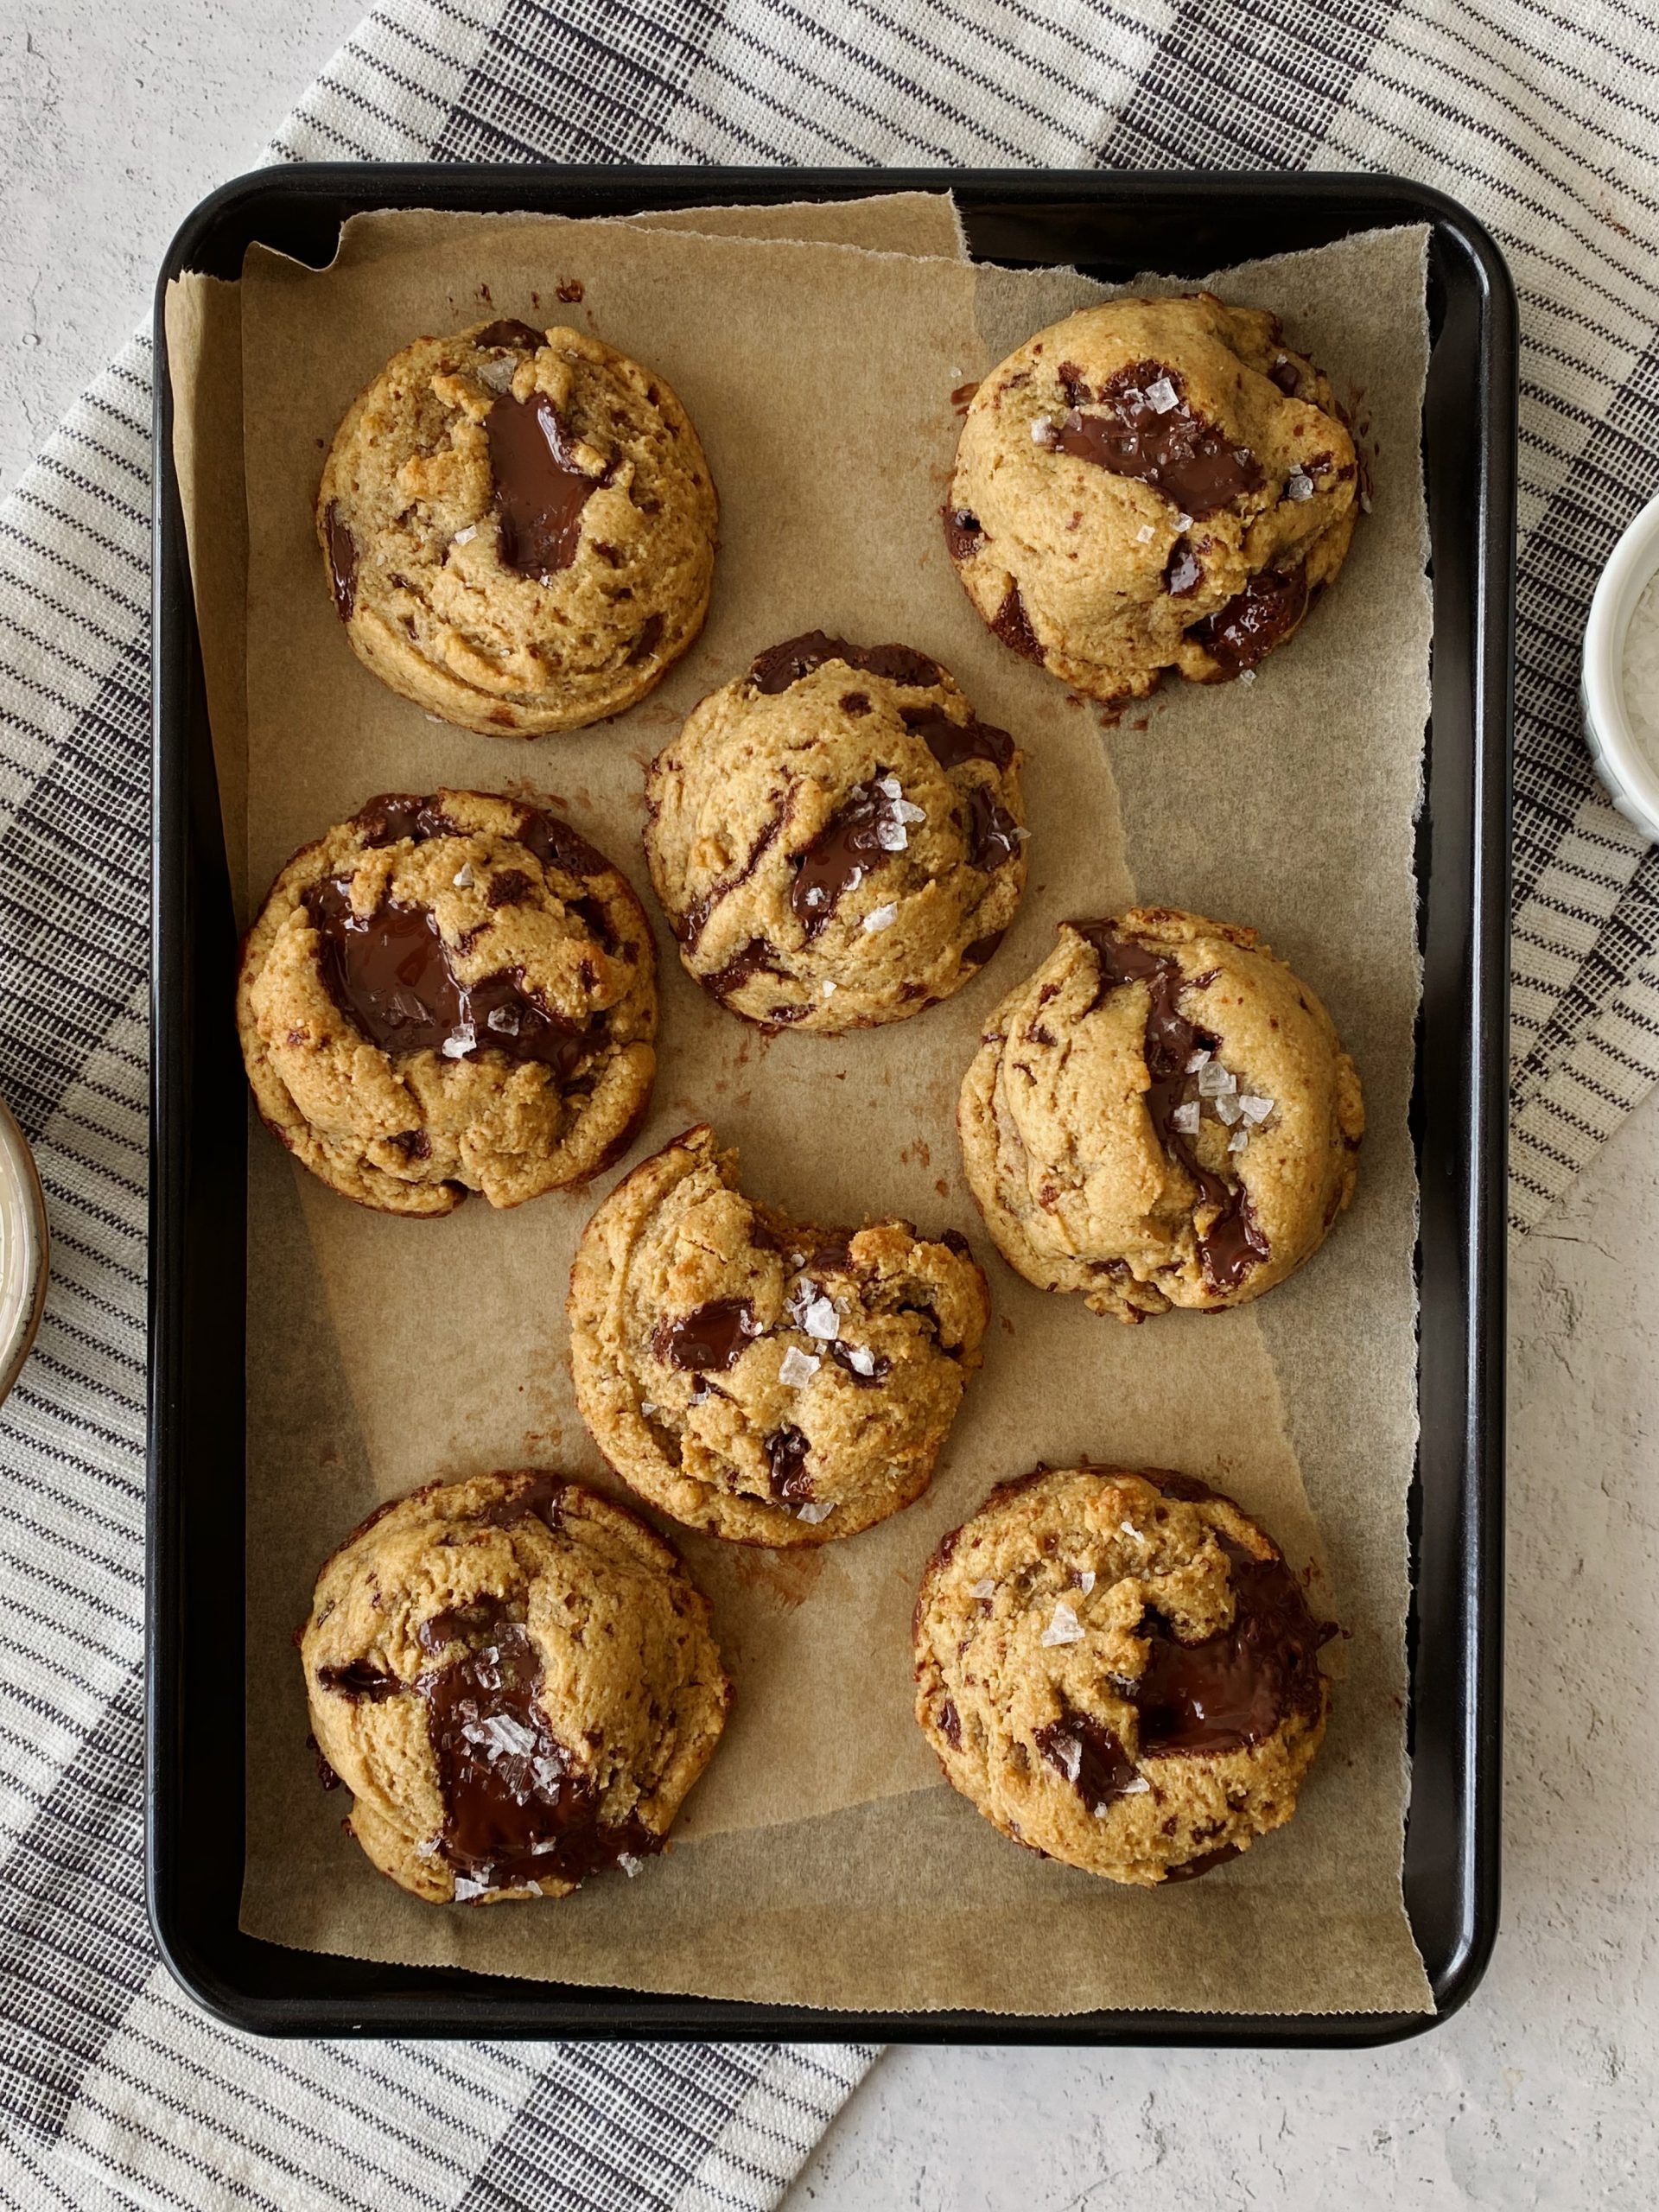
[821, 1860]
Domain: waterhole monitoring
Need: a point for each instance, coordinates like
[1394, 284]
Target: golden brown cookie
[518, 528]
[837, 838]
[1119, 1670]
[447, 995]
[1161, 1116]
[757, 1377]
[516, 1681]
[1151, 484]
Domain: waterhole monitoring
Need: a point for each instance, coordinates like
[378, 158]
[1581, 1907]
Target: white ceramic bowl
[1631, 777]
[23, 1249]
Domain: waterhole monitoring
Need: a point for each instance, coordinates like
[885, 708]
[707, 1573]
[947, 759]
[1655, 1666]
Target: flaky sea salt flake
[828, 986]
[466, 1889]
[1247, 676]
[1238, 1140]
[891, 835]
[881, 918]
[1144, 536]
[889, 787]
[1196, 1060]
[1067, 1752]
[985, 1587]
[462, 1041]
[816, 1510]
[498, 374]
[1063, 1628]
[466, 536]
[1183, 522]
[907, 810]
[629, 1864]
[1185, 1118]
[1299, 484]
[821, 1321]
[463, 878]
[1162, 395]
[1086, 1580]
[1214, 1079]
[1227, 1108]
[798, 1369]
[1253, 1106]
[861, 1359]
[1041, 430]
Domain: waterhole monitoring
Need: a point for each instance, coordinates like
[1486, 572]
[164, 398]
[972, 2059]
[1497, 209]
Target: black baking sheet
[1111, 226]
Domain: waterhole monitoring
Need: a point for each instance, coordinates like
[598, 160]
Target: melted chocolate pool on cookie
[1232, 1243]
[540, 490]
[392, 976]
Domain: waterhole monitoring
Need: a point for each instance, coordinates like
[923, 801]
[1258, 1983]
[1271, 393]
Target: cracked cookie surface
[1160, 1115]
[836, 837]
[515, 1679]
[1149, 485]
[518, 526]
[1119, 1670]
[757, 1377]
[447, 994]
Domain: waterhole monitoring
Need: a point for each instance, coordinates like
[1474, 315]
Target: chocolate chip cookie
[447, 995]
[516, 1681]
[757, 1377]
[1151, 484]
[518, 526]
[1119, 1670]
[1161, 1116]
[837, 838]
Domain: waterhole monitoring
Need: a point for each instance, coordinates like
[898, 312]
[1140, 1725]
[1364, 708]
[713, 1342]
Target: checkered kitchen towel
[1543, 118]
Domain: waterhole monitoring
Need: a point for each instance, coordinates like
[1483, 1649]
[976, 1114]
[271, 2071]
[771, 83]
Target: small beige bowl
[24, 1246]
[1622, 761]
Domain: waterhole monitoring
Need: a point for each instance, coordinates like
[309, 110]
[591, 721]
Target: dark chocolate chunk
[326, 1774]
[556, 844]
[695, 919]
[536, 1500]
[756, 957]
[540, 492]
[1255, 620]
[1090, 1756]
[856, 703]
[645, 643]
[392, 976]
[981, 950]
[517, 1807]
[709, 1340]
[880, 1366]
[965, 533]
[782, 665]
[786, 1457]
[361, 1681]
[1077, 393]
[396, 815]
[839, 857]
[1233, 1242]
[1191, 1869]
[952, 743]
[497, 337]
[951, 1724]
[1013, 625]
[509, 886]
[342, 562]
[993, 833]
[1235, 1687]
[1191, 461]
[1288, 377]
[1183, 571]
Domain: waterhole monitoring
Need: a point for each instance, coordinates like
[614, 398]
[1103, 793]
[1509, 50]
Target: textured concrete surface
[1543, 2092]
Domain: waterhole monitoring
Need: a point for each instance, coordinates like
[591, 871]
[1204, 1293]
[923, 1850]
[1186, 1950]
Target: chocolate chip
[1191, 461]
[342, 560]
[965, 533]
[780, 666]
[787, 1452]
[1013, 625]
[1255, 620]
[509, 886]
[540, 492]
[952, 743]
[509, 332]
[709, 1340]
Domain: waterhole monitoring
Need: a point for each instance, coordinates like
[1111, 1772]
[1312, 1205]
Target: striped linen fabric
[114, 2090]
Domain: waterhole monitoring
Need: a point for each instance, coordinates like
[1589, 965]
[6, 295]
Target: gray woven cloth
[114, 2090]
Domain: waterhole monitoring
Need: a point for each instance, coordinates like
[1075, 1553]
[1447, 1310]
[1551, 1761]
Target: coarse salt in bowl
[23, 1247]
[1619, 689]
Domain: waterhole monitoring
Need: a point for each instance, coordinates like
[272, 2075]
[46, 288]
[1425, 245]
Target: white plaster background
[1544, 2092]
